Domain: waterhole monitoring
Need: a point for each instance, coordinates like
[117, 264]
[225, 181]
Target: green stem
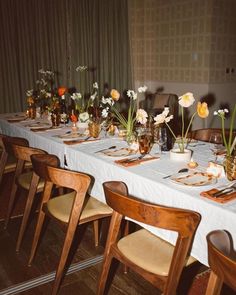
[231, 128]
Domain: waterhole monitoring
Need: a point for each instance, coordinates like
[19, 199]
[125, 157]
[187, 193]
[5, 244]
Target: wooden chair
[153, 258]
[222, 261]
[7, 161]
[69, 210]
[204, 134]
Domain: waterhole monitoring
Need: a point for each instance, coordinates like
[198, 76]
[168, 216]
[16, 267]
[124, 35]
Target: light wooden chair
[69, 210]
[153, 258]
[222, 261]
[28, 181]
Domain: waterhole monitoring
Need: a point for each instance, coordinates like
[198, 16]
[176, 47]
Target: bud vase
[230, 167]
[94, 129]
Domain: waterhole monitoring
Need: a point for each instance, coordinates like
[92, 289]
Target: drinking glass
[64, 118]
[217, 143]
[145, 141]
[161, 138]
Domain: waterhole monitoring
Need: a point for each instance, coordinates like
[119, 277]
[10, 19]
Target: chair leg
[10, 204]
[96, 232]
[63, 258]
[3, 164]
[126, 232]
[38, 229]
[214, 285]
[103, 276]
[28, 206]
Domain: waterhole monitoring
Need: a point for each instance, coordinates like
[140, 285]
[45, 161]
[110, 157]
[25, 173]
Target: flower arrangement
[134, 114]
[231, 142]
[185, 101]
[83, 103]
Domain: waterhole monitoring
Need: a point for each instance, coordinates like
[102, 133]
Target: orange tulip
[115, 95]
[202, 110]
[73, 118]
[62, 91]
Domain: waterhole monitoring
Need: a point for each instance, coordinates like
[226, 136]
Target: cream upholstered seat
[222, 261]
[154, 255]
[24, 180]
[150, 256]
[69, 210]
[61, 206]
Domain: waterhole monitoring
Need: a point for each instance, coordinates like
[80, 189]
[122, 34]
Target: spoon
[180, 171]
[109, 148]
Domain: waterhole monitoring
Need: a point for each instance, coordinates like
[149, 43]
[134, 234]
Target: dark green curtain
[60, 35]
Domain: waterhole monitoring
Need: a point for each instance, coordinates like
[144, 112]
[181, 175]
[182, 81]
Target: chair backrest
[24, 152]
[222, 257]
[40, 163]
[183, 221]
[8, 142]
[204, 134]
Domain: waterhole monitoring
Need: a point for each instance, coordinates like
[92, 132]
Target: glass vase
[94, 129]
[230, 167]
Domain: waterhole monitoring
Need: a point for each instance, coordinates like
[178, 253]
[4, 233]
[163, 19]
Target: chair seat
[24, 181]
[60, 207]
[158, 256]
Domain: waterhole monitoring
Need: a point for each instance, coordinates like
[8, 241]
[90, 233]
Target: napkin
[221, 199]
[127, 163]
[78, 141]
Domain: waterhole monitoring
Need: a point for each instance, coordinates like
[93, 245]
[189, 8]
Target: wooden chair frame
[184, 222]
[222, 261]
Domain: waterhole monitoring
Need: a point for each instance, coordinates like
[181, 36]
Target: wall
[186, 45]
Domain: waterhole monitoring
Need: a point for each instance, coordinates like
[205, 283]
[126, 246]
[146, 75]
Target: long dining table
[145, 181]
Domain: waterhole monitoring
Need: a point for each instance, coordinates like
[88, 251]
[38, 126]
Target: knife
[226, 191]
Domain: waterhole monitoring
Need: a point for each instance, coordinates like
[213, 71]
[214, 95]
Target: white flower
[166, 111]
[142, 89]
[107, 100]
[159, 119]
[84, 117]
[93, 96]
[104, 113]
[81, 68]
[76, 95]
[141, 116]
[95, 85]
[186, 100]
[29, 92]
[167, 119]
[132, 94]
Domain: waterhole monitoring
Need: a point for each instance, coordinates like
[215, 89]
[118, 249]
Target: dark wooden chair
[69, 210]
[28, 181]
[222, 261]
[205, 134]
[153, 258]
[7, 162]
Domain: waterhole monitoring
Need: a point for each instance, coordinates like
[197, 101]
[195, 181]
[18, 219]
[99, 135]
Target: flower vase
[94, 129]
[178, 156]
[74, 127]
[230, 167]
[32, 111]
[130, 137]
[82, 125]
[56, 119]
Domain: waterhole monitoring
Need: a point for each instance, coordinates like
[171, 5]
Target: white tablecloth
[144, 181]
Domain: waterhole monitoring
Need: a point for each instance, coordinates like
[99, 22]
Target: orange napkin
[126, 163]
[222, 199]
[78, 141]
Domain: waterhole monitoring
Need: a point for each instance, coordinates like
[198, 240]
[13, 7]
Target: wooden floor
[14, 269]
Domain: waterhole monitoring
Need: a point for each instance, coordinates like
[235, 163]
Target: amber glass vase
[230, 167]
[94, 129]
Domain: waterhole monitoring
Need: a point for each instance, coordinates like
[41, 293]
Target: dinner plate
[119, 153]
[16, 118]
[39, 125]
[70, 136]
[193, 179]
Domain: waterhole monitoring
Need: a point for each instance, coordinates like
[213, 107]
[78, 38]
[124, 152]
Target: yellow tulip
[115, 94]
[202, 110]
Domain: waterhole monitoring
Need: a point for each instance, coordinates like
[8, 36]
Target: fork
[134, 159]
[230, 188]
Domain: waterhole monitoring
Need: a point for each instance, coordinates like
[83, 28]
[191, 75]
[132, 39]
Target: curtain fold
[60, 35]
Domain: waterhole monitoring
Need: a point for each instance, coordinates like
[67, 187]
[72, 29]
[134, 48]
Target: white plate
[70, 136]
[39, 125]
[193, 179]
[16, 118]
[119, 153]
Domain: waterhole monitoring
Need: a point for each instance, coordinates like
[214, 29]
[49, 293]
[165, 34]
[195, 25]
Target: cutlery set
[225, 191]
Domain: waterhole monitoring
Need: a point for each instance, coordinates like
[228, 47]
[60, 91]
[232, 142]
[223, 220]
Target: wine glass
[145, 141]
[161, 138]
[217, 143]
